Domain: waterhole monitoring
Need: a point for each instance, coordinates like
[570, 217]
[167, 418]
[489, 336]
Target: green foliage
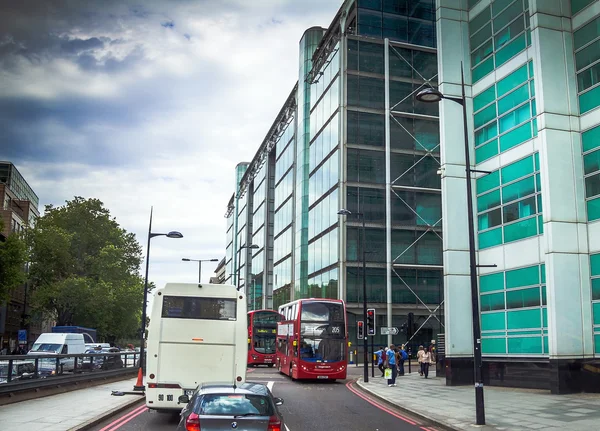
[13, 256]
[85, 269]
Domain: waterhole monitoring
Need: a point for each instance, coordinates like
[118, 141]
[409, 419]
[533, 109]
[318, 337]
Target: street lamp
[252, 246]
[185, 259]
[172, 234]
[430, 95]
[345, 212]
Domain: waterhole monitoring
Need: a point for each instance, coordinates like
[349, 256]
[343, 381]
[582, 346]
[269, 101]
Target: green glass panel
[538, 182]
[521, 277]
[536, 159]
[528, 37]
[492, 302]
[513, 80]
[481, 36]
[589, 100]
[492, 321]
[593, 209]
[597, 343]
[532, 88]
[530, 67]
[514, 99]
[519, 210]
[544, 296]
[486, 151]
[489, 200]
[595, 264]
[508, 14]
[546, 351]
[525, 345]
[532, 332]
[510, 50]
[488, 182]
[591, 162]
[590, 139]
[472, 3]
[491, 282]
[517, 169]
[534, 124]
[596, 307]
[577, 5]
[596, 288]
[545, 317]
[509, 32]
[592, 185]
[520, 230]
[490, 346]
[490, 219]
[587, 33]
[520, 189]
[499, 5]
[484, 116]
[490, 238]
[481, 53]
[524, 319]
[486, 133]
[590, 76]
[523, 298]
[484, 98]
[540, 224]
[480, 20]
[482, 69]
[514, 118]
[515, 137]
[543, 272]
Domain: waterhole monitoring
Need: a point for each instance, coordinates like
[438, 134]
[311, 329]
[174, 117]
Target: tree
[85, 269]
[13, 256]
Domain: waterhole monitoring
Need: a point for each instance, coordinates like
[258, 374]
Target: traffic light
[371, 330]
[360, 330]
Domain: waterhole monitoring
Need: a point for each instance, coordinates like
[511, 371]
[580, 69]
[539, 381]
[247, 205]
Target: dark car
[249, 406]
[102, 362]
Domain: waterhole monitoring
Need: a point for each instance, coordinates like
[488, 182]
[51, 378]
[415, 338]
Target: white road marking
[286, 427]
[270, 386]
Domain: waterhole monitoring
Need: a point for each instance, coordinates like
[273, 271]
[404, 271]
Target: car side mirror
[183, 399]
[278, 401]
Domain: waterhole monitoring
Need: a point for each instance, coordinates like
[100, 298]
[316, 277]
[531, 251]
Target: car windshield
[46, 347]
[235, 405]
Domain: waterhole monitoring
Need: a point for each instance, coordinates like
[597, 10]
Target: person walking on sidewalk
[391, 360]
[420, 359]
[402, 356]
[426, 361]
[380, 353]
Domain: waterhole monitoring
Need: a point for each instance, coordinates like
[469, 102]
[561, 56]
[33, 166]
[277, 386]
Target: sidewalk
[505, 408]
[70, 410]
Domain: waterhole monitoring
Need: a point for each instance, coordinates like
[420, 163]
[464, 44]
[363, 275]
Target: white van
[54, 343]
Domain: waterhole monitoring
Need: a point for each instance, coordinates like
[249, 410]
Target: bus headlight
[254, 357]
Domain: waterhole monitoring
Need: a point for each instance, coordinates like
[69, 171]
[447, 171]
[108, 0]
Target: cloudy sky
[147, 103]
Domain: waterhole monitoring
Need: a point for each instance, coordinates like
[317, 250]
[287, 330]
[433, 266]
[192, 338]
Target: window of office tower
[411, 21]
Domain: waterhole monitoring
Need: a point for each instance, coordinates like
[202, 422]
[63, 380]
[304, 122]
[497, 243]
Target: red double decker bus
[312, 339]
[262, 332]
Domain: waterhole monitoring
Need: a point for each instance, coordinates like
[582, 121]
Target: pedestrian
[402, 356]
[420, 359]
[391, 359]
[380, 353]
[426, 361]
[432, 351]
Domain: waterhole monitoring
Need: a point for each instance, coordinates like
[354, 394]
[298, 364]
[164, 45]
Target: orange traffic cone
[139, 385]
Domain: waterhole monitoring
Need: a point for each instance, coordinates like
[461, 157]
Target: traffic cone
[139, 385]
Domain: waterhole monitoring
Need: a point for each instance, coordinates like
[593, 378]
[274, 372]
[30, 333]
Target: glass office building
[350, 135]
[532, 75]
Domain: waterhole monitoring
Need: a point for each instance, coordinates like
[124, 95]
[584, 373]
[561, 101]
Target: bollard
[351, 361]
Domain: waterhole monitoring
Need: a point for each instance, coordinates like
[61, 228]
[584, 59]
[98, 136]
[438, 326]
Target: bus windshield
[264, 331]
[322, 332]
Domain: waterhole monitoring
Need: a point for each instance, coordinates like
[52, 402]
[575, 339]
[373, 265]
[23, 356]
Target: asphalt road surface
[308, 406]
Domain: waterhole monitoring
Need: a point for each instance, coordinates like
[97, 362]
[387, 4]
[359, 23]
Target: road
[308, 406]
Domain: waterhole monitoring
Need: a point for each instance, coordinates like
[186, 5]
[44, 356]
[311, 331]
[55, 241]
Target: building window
[590, 140]
[595, 271]
[587, 62]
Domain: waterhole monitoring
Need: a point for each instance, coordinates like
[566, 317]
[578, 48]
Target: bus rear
[197, 334]
[312, 339]
[262, 332]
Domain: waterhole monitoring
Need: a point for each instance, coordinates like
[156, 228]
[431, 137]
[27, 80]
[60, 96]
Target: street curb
[420, 415]
[101, 418]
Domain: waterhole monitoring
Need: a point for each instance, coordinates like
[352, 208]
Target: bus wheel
[292, 372]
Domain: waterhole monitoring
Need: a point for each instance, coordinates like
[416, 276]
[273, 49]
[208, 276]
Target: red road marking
[379, 406]
[250, 370]
[124, 419]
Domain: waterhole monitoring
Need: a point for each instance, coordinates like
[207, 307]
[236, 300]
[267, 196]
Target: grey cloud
[76, 46]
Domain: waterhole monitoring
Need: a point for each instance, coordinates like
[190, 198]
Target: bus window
[188, 307]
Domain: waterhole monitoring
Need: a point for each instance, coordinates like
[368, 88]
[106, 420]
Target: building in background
[19, 209]
[350, 135]
[532, 74]
[219, 277]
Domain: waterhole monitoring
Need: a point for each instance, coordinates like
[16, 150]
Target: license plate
[189, 392]
[322, 377]
[268, 360]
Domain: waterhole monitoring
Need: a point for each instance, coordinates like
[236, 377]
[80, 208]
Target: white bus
[197, 334]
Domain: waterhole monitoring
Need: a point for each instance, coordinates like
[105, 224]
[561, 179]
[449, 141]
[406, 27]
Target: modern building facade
[19, 209]
[532, 73]
[350, 135]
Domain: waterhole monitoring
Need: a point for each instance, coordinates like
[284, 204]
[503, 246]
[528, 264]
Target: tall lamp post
[239, 269]
[172, 234]
[431, 95]
[345, 212]
[185, 259]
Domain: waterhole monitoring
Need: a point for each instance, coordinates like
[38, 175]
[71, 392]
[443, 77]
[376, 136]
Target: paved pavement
[75, 410]
[506, 408]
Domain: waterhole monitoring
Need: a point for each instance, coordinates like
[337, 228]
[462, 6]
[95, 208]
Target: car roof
[228, 388]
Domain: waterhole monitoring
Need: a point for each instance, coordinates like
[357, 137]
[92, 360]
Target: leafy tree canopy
[13, 256]
[85, 269]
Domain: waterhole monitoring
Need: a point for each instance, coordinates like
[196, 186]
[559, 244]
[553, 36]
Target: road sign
[389, 331]
[22, 335]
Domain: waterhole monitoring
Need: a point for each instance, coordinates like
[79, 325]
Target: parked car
[249, 406]
[109, 362]
[21, 370]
